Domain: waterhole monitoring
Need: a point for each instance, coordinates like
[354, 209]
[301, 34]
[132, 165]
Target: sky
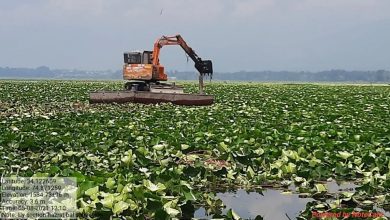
[237, 35]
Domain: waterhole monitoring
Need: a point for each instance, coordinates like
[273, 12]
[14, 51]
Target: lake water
[271, 203]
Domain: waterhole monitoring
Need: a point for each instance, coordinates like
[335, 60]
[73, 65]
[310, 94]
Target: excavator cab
[139, 66]
[138, 57]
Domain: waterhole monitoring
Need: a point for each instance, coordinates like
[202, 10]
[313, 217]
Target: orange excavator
[147, 78]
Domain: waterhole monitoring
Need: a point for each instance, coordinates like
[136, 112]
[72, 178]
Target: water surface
[274, 203]
[271, 205]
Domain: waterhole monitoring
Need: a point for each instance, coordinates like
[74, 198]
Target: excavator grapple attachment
[150, 98]
[205, 67]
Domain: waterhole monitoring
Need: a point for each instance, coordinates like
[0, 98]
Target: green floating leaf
[291, 154]
[223, 147]
[172, 212]
[320, 187]
[232, 215]
[168, 207]
[14, 128]
[133, 205]
[108, 201]
[185, 146]
[367, 202]
[92, 192]
[159, 147]
[189, 196]
[259, 217]
[128, 157]
[119, 207]
[154, 187]
[259, 151]
[110, 183]
[356, 137]
[289, 168]
[250, 172]
[344, 154]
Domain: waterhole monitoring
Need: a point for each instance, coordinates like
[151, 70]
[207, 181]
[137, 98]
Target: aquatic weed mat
[155, 161]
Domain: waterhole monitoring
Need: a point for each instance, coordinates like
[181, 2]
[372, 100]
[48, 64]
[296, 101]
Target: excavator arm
[204, 67]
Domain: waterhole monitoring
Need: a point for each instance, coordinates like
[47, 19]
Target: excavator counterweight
[146, 78]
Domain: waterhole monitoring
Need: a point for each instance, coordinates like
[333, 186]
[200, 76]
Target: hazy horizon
[194, 70]
[248, 35]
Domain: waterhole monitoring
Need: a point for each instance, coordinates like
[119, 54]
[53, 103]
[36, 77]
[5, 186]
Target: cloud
[186, 12]
[272, 34]
[250, 8]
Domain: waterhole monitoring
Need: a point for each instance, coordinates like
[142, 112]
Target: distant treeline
[44, 72]
[323, 76]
